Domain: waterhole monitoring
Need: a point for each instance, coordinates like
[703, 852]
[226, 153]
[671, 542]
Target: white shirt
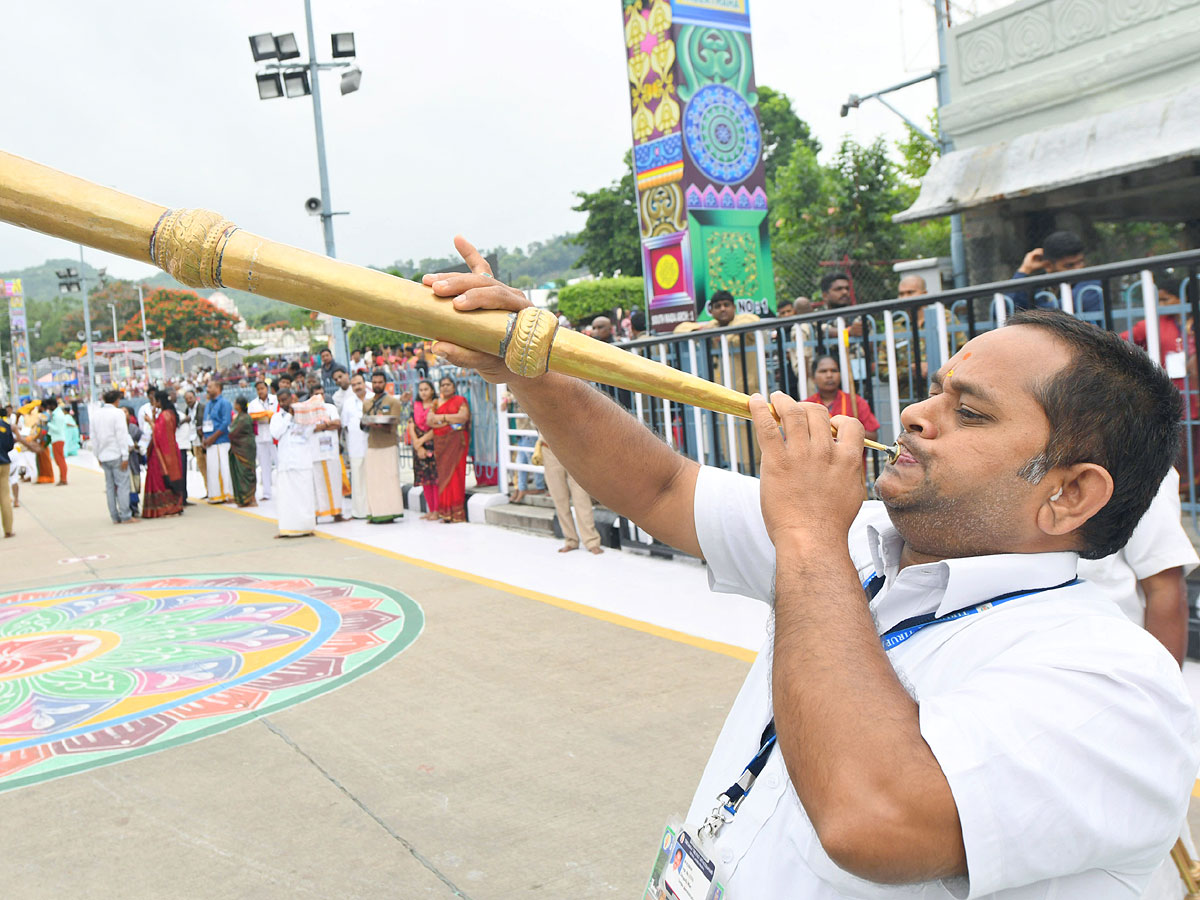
[262, 428]
[145, 419]
[339, 398]
[110, 434]
[1066, 733]
[324, 444]
[356, 438]
[191, 435]
[293, 440]
[1158, 543]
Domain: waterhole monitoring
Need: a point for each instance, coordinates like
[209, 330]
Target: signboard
[22, 370]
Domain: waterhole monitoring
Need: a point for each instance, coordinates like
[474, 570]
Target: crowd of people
[322, 443]
[35, 439]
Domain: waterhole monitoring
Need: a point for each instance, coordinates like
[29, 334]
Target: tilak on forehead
[966, 356]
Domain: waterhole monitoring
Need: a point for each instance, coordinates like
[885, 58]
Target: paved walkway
[519, 748]
[516, 749]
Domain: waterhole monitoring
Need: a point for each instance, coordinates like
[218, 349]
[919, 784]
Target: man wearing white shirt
[327, 467]
[1145, 579]
[262, 408]
[193, 416]
[145, 420]
[356, 445]
[341, 379]
[295, 500]
[111, 443]
[941, 708]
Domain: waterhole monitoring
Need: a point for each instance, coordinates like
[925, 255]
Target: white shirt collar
[952, 584]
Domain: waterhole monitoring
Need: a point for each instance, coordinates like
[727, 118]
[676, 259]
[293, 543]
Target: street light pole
[339, 344]
[145, 339]
[87, 326]
[958, 252]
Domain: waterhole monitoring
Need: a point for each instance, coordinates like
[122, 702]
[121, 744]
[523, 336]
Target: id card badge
[208, 425]
[682, 868]
[1176, 364]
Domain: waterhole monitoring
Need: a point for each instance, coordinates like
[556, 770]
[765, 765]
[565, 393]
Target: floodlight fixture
[343, 44]
[263, 47]
[270, 87]
[69, 281]
[351, 79]
[295, 84]
[852, 102]
[287, 47]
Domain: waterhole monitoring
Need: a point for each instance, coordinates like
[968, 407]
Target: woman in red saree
[450, 420]
[164, 486]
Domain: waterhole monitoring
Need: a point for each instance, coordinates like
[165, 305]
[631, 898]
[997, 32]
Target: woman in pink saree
[165, 487]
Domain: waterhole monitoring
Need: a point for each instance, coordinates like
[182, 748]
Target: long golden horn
[199, 248]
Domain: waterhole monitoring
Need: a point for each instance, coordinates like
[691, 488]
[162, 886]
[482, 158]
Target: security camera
[312, 206]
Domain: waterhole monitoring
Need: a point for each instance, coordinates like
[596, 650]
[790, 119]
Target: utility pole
[145, 339]
[338, 342]
[87, 325]
[958, 252]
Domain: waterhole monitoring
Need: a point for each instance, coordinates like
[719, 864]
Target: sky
[474, 117]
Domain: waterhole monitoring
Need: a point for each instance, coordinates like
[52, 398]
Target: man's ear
[1073, 494]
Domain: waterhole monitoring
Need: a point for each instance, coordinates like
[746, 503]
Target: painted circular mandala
[722, 134]
[94, 673]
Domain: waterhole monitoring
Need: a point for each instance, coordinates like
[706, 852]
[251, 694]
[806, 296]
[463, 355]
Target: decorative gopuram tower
[697, 158]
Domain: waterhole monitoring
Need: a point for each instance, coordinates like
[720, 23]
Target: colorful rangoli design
[95, 673]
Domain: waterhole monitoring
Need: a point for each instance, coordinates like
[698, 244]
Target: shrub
[591, 298]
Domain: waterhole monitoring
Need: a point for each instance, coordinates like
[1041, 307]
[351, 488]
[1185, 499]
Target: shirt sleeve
[1058, 766]
[733, 538]
[1159, 541]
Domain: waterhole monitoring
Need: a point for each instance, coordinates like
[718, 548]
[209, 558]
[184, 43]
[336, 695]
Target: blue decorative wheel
[722, 134]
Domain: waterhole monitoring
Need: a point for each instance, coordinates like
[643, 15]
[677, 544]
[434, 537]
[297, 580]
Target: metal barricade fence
[895, 347]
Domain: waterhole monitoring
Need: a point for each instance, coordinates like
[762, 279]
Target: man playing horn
[940, 703]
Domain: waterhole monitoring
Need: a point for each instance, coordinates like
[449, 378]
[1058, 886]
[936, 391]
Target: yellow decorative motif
[662, 58]
[666, 116]
[635, 29]
[643, 124]
[530, 337]
[666, 273]
[660, 16]
[187, 244]
[639, 67]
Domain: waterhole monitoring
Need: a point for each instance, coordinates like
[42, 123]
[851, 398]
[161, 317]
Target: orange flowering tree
[183, 320]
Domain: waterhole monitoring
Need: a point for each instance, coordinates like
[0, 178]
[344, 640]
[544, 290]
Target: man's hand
[1033, 262]
[811, 483]
[478, 290]
[125, 464]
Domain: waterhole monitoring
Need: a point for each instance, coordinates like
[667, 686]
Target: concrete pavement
[514, 750]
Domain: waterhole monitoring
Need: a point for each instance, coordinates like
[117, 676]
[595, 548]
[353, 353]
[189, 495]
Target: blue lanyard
[731, 799]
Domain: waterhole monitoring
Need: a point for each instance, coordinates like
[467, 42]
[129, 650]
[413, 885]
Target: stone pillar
[697, 155]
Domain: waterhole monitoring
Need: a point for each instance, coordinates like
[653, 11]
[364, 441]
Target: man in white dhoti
[295, 501]
[385, 499]
[327, 461]
[262, 408]
[356, 444]
[218, 413]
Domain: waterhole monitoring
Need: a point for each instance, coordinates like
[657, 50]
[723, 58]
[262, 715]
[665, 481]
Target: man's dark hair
[382, 374]
[284, 394]
[1165, 281]
[637, 320]
[260, 381]
[324, 350]
[718, 296]
[112, 396]
[1060, 244]
[337, 368]
[828, 280]
[1112, 406]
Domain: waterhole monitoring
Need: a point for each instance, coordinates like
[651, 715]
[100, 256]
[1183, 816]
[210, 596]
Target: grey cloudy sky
[473, 116]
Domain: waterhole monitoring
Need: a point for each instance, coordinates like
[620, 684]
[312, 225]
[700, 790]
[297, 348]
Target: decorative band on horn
[188, 244]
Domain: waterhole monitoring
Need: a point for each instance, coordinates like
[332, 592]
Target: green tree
[591, 298]
[362, 336]
[182, 320]
[782, 130]
[610, 239]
